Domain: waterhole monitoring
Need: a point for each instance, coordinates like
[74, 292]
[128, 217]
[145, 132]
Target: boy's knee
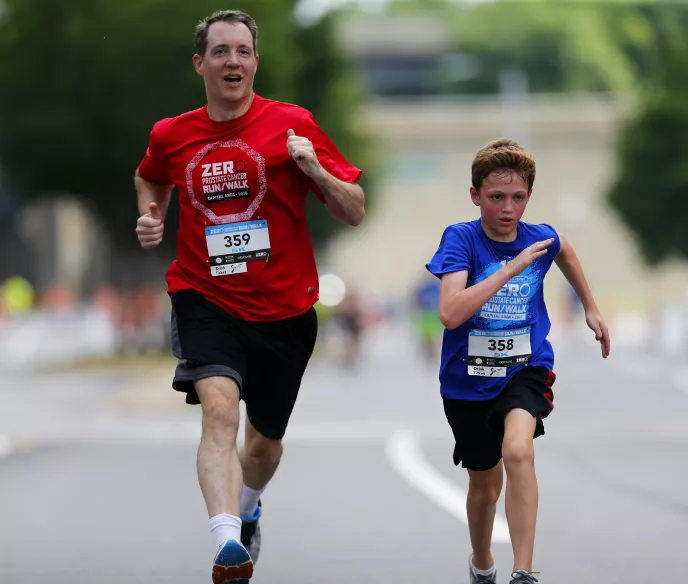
[518, 452]
[485, 495]
[485, 487]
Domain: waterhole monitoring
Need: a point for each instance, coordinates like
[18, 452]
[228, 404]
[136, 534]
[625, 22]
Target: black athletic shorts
[266, 359]
[478, 426]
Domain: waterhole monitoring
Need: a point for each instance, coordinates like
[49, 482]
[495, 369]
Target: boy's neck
[500, 237]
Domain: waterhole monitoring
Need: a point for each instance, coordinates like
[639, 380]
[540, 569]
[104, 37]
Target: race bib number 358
[491, 352]
[231, 246]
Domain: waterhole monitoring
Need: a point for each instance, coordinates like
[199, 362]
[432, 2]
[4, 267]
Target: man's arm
[153, 201]
[148, 192]
[345, 201]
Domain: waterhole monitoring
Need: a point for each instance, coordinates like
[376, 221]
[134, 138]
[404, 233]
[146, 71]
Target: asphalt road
[98, 484]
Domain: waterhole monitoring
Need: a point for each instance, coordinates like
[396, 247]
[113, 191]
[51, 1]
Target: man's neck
[223, 113]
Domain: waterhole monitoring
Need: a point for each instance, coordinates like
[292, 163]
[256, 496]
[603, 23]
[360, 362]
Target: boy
[496, 370]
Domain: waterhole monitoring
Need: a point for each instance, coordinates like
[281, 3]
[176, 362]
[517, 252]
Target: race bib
[491, 352]
[231, 246]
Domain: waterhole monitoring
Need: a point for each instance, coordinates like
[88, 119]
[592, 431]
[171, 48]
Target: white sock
[484, 572]
[224, 527]
[249, 501]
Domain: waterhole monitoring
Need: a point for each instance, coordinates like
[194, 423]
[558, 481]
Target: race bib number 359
[231, 246]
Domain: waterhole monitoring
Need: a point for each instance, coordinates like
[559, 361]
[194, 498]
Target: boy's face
[502, 199]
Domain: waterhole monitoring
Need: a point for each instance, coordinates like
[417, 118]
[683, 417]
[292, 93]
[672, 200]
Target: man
[244, 282]
[496, 371]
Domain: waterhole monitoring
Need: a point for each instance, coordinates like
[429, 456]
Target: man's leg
[277, 359]
[220, 477]
[260, 457]
[521, 486]
[219, 469]
[481, 505]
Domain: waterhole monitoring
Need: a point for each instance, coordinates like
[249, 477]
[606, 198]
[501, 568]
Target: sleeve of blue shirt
[453, 253]
[549, 231]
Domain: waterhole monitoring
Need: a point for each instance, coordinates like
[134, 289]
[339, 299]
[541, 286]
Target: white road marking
[406, 458]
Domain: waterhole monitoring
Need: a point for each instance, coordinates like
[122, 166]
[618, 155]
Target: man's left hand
[302, 151]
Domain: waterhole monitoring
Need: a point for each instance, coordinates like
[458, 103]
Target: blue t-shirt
[509, 331]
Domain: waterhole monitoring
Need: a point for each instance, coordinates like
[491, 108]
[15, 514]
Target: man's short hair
[231, 16]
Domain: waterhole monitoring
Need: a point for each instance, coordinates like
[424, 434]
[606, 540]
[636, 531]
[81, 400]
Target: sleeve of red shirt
[153, 167]
[329, 156]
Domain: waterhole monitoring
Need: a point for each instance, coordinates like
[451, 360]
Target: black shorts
[478, 426]
[266, 359]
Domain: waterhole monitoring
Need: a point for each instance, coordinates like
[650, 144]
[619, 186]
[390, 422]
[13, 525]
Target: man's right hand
[149, 227]
[528, 256]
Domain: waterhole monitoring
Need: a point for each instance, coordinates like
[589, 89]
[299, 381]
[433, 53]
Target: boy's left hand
[596, 324]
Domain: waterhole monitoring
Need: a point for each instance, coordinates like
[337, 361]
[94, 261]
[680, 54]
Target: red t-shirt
[238, 176]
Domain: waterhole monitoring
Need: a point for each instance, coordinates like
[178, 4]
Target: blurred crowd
[113, 322]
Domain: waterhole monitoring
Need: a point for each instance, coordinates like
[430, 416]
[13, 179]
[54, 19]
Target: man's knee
[219, 398]
[263, 451]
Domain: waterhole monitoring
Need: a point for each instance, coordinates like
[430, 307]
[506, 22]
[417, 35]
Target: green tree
[562, 46]
[651, 186]
[327, 86]
[84, 80]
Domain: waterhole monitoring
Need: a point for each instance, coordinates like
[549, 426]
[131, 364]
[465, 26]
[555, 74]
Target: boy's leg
[481, 505]
[518, 416]
[478, 450]
[521, 486]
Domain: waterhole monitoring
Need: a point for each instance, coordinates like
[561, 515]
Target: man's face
[502, 199]
[229, 64]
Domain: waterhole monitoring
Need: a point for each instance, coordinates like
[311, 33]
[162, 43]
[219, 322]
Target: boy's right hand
[529, 255]
[149, 227]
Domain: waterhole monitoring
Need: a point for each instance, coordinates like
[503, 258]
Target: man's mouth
[233, 79]
[506, 220]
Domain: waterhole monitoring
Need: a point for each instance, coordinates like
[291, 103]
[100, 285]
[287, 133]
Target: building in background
[427, 143]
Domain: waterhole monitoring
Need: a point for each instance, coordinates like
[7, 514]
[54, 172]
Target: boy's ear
[475, 196]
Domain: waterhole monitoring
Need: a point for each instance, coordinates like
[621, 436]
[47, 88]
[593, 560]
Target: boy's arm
[569, 264]
[458, 303]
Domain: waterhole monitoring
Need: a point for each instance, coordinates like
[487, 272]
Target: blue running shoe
[250, 533]
[233, 564]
